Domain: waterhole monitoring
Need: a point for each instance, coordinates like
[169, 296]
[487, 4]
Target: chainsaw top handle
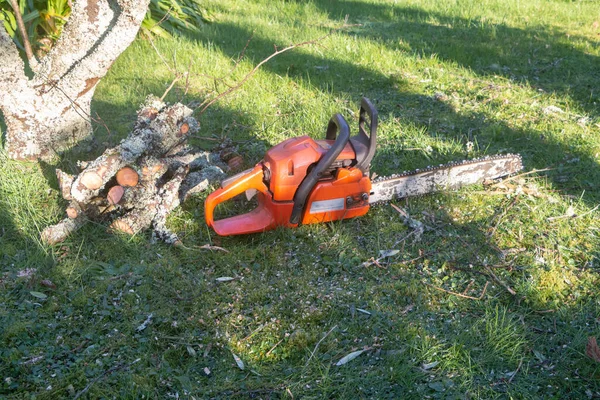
[364, 144]
[337, 123]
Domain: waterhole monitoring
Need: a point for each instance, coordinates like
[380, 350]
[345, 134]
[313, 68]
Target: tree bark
[49, 112]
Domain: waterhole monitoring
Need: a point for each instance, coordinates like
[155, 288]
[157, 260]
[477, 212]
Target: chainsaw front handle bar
[258, 220]
[336, 124]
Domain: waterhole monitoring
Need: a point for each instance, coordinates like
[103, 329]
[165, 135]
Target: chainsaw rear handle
[364, 144]
[337, 123]
[257, 220]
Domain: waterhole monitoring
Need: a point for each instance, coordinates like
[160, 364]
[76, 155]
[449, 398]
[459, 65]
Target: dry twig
[109, 371]
[207, 103]
[501, 217]
[504, 285]
[573, 216]
[512, 178]
[317, 346]
[274, 347]
[459, 294]
[177, 77]
[518, 368]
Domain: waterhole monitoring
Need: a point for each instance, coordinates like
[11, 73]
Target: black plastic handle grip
[364, 144]
[337, 123]
[334, 125]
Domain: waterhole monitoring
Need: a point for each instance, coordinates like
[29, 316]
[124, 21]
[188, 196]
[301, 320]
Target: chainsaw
[306, 181]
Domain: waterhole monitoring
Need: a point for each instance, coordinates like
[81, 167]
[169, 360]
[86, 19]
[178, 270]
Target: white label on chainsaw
[327, 205]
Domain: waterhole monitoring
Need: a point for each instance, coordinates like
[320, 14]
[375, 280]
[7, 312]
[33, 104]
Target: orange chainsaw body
[302, 181]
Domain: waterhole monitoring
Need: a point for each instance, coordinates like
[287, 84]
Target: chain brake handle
[365, 143]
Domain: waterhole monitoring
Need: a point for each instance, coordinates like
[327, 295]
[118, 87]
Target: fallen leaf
[553, 110]
[39, 295]
[539, 355]
[439, 96]
[210, 247]
[431, 365]
[415, 225]
[33, 360]
[511, 374]
[238, 361]
[583, 121]
[191, 351]
[145, 323]
[346, 359]
[225, 279]
[388, 253]
[250, 193]
[592, 350]
[208, 348]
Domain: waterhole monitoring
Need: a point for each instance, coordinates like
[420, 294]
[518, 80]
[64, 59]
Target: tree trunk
[49, 112]
[42, 125]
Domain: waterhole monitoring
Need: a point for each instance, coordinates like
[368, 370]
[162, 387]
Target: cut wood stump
[135, 185]
[115, 194]
[127, 176]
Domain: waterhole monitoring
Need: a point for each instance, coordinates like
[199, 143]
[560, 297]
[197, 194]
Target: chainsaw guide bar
[444, 177]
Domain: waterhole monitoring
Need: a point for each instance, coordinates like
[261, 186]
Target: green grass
[496, 68]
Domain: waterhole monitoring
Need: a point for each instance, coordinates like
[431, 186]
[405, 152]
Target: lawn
[496, 299]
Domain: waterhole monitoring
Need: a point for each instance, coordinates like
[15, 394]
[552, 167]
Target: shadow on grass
[538, 149]
[17, 252]
[542, 57]
[19, 247]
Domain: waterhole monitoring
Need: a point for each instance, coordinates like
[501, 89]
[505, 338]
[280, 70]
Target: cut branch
[127, 176]
[115, 194]
[65, 181]
[58, 233]
[74, 210]
[156, 132]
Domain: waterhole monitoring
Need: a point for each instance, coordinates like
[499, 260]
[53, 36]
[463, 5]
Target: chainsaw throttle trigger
[336, 124]
[364, 144]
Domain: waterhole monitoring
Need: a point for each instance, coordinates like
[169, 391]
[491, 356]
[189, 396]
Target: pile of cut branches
[135, 185]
